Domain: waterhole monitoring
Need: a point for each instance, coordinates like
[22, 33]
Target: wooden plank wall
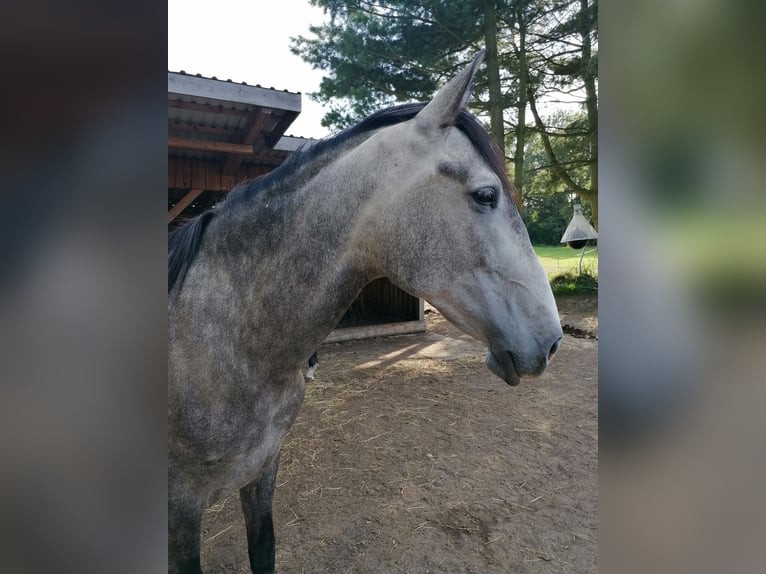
[383, 296]
[390, 299]
[380, 300]
[186, 173]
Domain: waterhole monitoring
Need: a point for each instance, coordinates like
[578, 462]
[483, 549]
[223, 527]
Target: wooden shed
[222, 132]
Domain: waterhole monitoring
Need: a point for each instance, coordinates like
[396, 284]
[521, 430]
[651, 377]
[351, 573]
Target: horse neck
[295, 260]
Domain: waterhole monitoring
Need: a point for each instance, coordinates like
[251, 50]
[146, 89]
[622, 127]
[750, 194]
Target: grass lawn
[558, 260]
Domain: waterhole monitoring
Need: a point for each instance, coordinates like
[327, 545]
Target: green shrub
[574, 283]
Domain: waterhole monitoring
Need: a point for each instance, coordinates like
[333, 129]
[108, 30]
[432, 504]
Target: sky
[248, 41]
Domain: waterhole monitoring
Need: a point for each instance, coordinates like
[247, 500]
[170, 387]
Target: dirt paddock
[410, 456]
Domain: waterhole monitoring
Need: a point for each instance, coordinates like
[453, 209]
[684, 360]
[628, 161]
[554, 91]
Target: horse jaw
[500, 363]
[518, 342]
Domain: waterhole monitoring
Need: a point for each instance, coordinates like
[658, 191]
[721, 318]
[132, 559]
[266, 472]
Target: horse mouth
[503, 365]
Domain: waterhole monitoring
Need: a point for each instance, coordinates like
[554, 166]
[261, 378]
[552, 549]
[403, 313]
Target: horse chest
[254, 439]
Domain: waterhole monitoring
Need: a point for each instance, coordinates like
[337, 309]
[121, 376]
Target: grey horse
[416, 193]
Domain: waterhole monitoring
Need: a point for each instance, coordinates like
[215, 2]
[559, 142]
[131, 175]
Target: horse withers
[417, 193]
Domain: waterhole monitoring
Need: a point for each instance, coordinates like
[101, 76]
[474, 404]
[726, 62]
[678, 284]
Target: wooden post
[181, 205]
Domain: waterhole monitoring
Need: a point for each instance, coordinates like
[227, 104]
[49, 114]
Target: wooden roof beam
[209, 146]
[251, 134]
[256, 125]
[279, 130]
[183, 203]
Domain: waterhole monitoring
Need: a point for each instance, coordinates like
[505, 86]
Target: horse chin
[503, 367]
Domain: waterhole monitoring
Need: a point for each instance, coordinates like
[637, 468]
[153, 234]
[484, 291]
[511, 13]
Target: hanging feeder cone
[579, 230]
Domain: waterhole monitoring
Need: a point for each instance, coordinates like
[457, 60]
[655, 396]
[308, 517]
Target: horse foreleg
[184, 524]
[313, 362]
[256, 505]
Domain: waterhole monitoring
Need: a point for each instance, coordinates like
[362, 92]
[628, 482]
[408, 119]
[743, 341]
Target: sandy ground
[410, 456]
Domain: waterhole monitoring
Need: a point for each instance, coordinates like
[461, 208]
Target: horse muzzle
[503, 366]
[510, 368]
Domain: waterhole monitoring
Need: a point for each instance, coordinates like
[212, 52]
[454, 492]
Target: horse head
[443, 224]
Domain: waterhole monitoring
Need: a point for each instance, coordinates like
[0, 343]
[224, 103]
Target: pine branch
[556, 165]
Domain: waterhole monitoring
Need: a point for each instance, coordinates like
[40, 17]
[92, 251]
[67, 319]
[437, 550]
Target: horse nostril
[554, 348]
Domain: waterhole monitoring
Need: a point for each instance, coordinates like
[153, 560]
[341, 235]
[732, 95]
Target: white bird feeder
[578, 232]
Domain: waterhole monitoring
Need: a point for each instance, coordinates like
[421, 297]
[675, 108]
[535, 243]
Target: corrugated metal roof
[229, 81]
[208, 113]
[202, 109]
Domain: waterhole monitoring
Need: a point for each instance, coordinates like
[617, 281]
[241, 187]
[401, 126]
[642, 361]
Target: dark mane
[184, 242]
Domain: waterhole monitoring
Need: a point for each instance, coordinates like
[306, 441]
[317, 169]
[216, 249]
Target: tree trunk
[589, 194]
[585, 194]
[591, 105]
[493, 74]
[521, 124]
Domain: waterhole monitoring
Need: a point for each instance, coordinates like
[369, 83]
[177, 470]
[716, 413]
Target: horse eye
[484, 196]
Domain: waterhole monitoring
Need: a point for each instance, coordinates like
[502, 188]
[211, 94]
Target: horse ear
[442, 110]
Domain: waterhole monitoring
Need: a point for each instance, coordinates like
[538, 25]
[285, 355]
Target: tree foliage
[539, 52]
[547, 203]
[378, 53]
[571, 67]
